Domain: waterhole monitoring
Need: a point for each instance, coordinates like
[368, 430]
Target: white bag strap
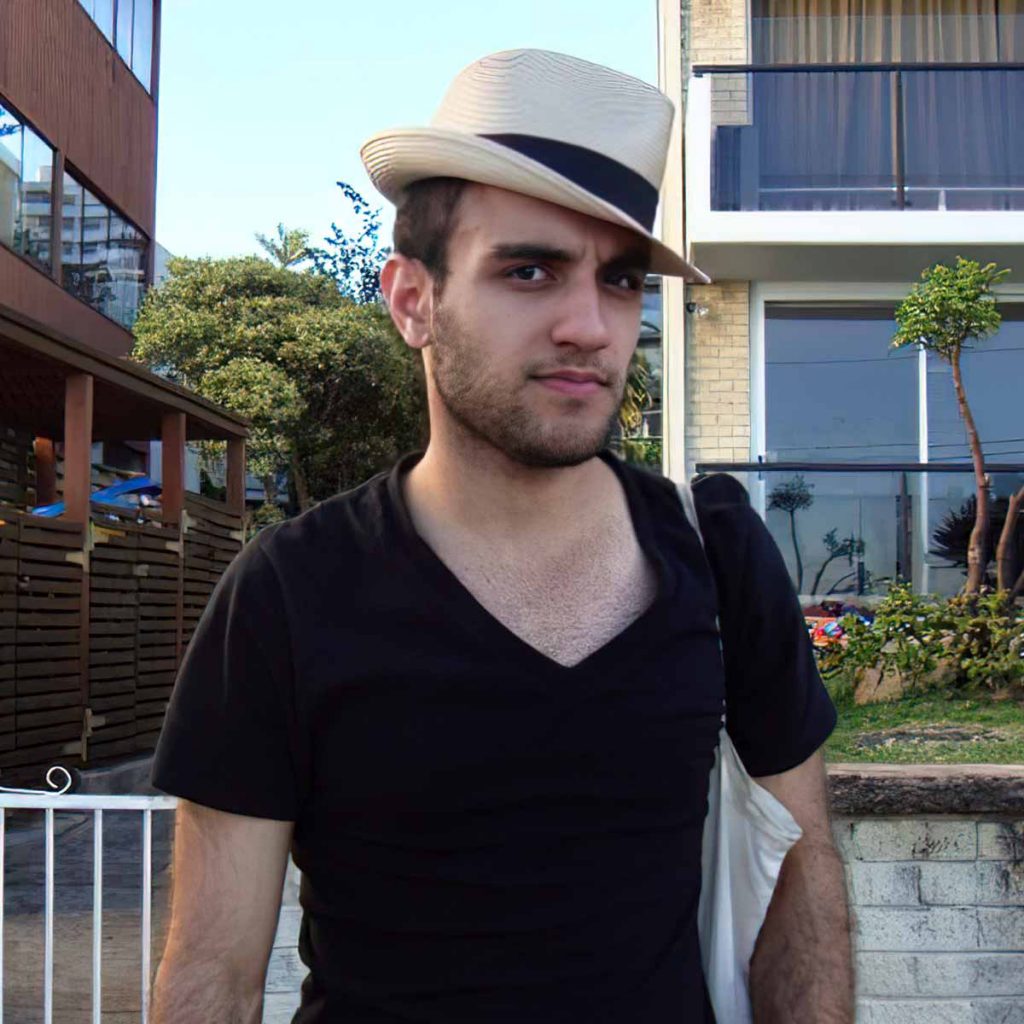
[690, 508]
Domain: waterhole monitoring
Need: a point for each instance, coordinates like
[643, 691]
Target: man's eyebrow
[633, 259]
[531, 251]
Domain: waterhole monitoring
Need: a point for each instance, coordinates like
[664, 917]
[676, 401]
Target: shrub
[966, 641]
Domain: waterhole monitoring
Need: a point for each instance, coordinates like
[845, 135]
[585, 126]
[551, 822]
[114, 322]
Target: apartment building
[97, 601]
[828, 153]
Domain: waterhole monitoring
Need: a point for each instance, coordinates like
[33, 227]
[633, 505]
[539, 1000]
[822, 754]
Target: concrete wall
[939, 916]
[718, 374]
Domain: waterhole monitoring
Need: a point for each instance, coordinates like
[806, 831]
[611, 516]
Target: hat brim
[395, 159]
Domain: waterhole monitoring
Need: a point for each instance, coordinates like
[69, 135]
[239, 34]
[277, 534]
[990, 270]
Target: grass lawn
[930, 728]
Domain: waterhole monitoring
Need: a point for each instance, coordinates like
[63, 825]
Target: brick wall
[718, 374]
[939, 911]
[718, 31]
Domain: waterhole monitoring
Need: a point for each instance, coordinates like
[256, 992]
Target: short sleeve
[778, 711]
[230, 739]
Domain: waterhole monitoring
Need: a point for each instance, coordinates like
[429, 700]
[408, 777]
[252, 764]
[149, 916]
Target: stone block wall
[937, 899]
[718, 374]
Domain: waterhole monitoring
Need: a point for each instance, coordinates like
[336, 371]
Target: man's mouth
[573, 382]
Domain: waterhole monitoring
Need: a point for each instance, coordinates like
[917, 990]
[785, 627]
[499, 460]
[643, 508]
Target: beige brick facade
[718, 32]
[718, 374]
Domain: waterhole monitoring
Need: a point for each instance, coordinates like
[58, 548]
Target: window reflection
[101, 12]
[128, 26]
[104, 255]
[834, 390]
[26, 179]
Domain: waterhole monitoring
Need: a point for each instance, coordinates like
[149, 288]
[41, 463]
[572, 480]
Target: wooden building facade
[96, 605]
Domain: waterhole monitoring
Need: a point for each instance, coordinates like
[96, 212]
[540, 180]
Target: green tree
[353, 261]
[947, 310]
[333, 394]
[288, 249]
[791, 497]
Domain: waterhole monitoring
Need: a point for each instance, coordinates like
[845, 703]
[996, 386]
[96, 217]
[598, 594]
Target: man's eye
[632, 282]
[530, 273]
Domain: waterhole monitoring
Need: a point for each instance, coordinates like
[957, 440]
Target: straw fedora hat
[549, 126]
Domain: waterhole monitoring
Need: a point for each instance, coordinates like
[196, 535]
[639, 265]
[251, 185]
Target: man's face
[534, 329]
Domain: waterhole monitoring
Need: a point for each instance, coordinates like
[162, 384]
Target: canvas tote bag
[747, 835]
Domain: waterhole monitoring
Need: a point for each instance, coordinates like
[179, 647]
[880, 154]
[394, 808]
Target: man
[478, 697]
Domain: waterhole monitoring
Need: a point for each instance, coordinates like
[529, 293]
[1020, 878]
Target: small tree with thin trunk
[950, 308]
[790, 497]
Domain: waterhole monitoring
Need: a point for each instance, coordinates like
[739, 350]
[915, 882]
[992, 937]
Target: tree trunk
[976, 553]
[1006, 551]
[269, 488]
[1018, 587]
[796, 552]
[301, 483]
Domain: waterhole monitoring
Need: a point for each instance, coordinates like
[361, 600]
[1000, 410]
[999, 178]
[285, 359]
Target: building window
[128, 27]
[834, 392]
[26, 182]
[103, 255]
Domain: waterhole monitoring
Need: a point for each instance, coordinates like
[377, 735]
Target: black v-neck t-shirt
[486, 835]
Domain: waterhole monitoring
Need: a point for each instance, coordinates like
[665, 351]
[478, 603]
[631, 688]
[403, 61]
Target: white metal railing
[60, 801]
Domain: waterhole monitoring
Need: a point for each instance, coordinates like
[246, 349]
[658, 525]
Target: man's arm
[802, 971]
[227, 880]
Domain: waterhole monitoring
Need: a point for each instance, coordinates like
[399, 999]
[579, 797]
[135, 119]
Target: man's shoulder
[344, 526]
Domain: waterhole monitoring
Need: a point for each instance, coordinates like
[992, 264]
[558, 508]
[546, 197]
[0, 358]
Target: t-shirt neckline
[482, 626]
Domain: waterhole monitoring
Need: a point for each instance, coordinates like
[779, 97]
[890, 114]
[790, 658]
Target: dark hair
[424, 222]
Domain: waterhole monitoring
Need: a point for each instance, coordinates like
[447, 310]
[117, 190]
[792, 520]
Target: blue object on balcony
[116, 494]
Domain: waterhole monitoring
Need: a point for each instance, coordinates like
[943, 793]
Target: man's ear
[408, 290]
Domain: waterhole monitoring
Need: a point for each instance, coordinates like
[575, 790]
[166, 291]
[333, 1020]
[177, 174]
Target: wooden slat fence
[92, 633]
[41, 618]
[17, 469]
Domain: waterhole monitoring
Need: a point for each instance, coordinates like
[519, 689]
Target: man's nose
[582, 320]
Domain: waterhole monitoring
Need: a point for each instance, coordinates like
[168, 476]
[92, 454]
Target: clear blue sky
[264, 104]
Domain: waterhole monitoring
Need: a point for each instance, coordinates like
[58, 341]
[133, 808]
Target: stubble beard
[488, 410]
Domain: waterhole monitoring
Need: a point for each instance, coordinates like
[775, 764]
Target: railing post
[78, 411]
[236, 476]
[172, 499]
[46, 470]
[78, 392]
[899, 171]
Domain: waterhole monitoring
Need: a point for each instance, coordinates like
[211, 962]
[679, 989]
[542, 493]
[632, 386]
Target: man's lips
[572, 382]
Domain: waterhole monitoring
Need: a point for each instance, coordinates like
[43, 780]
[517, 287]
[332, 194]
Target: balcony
[853, 172]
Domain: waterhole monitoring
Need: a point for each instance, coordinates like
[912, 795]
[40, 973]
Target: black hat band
[600, 175]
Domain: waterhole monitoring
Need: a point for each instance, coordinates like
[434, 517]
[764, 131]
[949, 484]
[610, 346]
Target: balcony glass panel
[26, 188]
[963, 144]
[846, 535]
[868, 140]
[834, 390]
